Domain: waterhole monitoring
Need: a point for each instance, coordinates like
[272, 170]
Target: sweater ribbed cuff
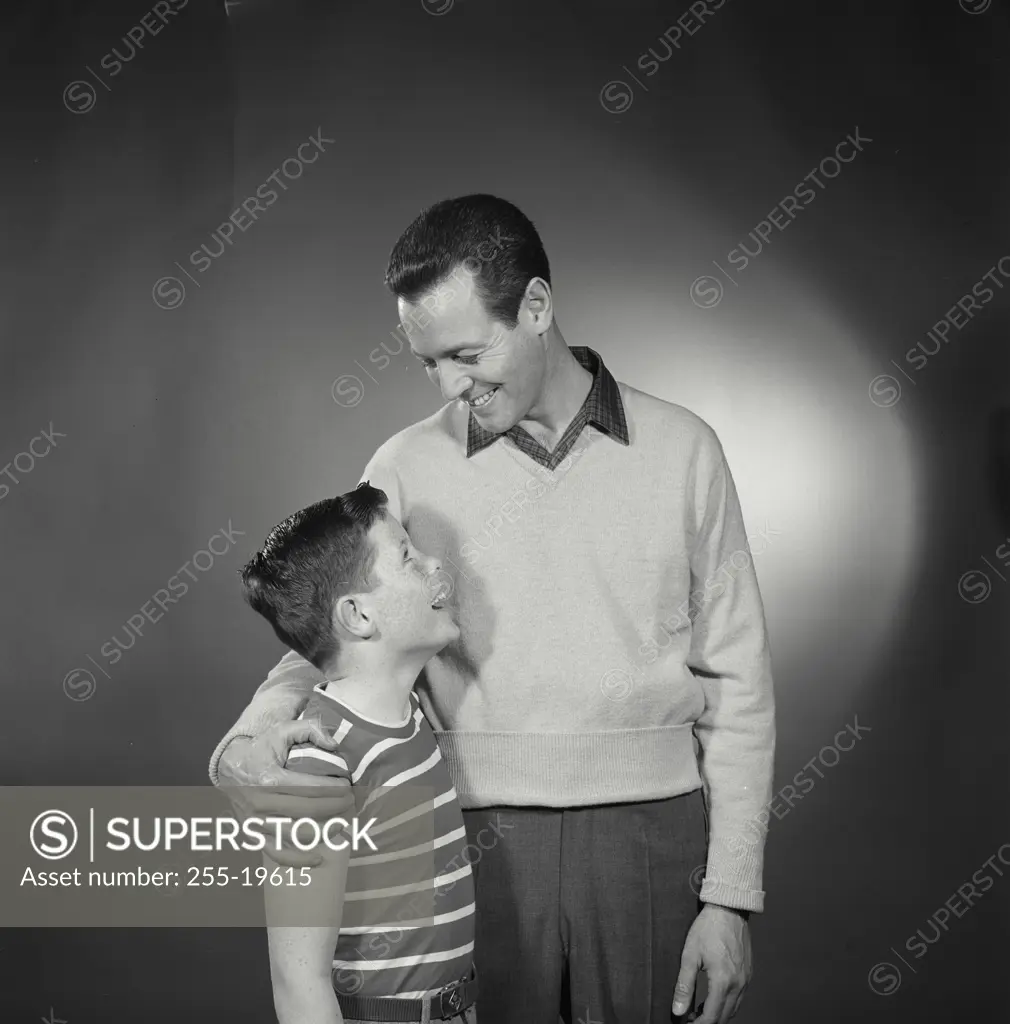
[213, 769]
[724, 895]
[733, 873]
[244, 728]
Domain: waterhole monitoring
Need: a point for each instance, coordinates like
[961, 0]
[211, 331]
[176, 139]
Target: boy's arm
[303, 917]
[280, 698]
[301, 953]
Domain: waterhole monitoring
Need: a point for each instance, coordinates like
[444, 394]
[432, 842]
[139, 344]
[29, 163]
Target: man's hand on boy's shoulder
[255, 779]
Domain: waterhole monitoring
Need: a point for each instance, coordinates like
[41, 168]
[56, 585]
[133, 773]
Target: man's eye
[468, 360]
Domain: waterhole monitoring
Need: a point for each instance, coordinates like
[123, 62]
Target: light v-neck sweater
[609, 614]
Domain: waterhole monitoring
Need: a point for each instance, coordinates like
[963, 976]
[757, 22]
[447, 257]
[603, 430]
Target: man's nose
[453, 383]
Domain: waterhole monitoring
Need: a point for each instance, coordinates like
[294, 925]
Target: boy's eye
[468, 360]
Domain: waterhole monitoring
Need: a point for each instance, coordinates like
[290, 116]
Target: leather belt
[447, 1003]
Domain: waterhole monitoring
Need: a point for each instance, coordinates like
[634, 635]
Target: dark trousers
[583, 912]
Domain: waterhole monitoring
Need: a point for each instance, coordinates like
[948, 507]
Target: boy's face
[410, 602]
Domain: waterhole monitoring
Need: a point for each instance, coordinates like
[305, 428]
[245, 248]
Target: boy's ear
[350, 614]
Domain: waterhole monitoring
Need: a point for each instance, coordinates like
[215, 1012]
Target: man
[610, 697]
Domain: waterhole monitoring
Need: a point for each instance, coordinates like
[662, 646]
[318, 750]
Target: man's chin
[497, 417]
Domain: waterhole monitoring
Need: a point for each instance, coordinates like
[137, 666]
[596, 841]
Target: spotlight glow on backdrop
[832, 476]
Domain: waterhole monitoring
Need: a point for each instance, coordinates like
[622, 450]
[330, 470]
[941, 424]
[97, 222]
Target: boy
[343, 586]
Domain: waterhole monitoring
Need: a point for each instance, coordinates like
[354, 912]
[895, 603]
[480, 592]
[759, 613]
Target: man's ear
[350, 613]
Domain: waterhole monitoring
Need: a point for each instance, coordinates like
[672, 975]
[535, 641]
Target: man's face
[410, 601]
[498, 372]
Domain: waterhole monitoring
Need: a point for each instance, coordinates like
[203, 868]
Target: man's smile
[482, 400]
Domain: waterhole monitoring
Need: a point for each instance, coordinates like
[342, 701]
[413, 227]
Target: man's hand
[719, 944]
[254, 779]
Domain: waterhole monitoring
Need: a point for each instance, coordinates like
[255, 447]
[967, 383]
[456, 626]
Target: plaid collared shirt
[602, 408]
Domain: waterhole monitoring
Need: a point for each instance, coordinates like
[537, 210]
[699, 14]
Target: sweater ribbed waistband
[568, 769]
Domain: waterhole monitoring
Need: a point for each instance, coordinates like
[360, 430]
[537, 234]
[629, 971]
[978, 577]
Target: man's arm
[736, 731]
[730, 655]
[280, 698]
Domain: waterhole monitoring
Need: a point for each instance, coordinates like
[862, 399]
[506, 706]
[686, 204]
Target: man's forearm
[279, 698]
[737, 766]
[742, 914]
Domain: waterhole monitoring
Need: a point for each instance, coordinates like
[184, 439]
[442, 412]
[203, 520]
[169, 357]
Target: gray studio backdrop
[771, 214]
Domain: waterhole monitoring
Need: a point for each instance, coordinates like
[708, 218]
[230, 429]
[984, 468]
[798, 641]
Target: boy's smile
[410, 603]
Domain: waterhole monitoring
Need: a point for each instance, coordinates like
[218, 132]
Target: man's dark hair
[307, 562]
[450, 233]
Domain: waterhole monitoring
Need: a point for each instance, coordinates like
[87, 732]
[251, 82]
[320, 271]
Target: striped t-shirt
[407, 927]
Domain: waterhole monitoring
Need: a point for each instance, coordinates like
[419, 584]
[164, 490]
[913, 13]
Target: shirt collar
[603, 407]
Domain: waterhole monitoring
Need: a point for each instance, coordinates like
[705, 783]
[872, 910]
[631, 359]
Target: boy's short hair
[309, 560]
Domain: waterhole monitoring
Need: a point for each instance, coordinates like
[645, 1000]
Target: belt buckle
[451, 998]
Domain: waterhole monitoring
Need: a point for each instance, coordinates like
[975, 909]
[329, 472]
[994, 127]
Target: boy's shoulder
[315, 760]
[353, 745]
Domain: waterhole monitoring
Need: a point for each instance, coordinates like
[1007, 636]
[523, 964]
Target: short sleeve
[312, 760]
